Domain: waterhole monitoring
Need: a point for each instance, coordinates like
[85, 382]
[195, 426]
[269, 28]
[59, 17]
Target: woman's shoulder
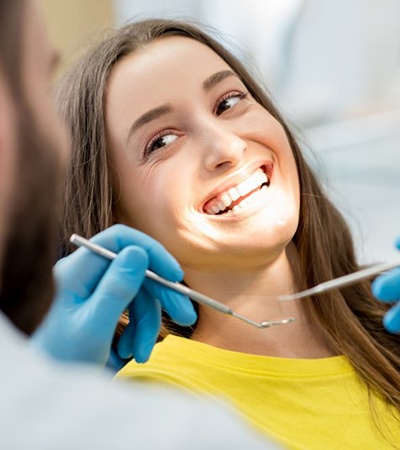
[171, 361]
[166, 353]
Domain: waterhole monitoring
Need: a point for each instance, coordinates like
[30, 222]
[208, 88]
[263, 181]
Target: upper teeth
[225, 200]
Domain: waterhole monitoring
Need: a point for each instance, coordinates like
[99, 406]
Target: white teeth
[221, 205]
[252, 183]
[226, 199]
[249, 200]
[233, 194]
[245, 186]
[241, 190]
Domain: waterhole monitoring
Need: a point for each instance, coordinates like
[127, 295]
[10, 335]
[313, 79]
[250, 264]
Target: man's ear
[7, 121]
[8, 153]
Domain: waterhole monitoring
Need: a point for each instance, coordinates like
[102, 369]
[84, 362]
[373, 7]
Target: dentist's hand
[93, 292]
[387, 288]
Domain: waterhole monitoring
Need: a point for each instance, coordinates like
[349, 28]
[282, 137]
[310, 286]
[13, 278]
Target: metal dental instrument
[346, 280]
[194, 295]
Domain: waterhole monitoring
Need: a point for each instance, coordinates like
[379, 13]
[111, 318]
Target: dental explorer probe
[194, 295]
[346, 280]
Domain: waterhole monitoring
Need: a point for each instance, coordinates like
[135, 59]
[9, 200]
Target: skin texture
[212, 138]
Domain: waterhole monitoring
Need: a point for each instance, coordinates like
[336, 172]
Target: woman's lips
[232, 197]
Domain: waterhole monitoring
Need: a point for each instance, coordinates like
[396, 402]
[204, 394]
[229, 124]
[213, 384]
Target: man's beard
[27, 285]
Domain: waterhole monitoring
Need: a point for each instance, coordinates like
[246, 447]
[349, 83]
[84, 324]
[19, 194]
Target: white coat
[49, 406]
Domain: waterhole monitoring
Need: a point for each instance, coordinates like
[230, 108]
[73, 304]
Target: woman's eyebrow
[148, 117]
[162, 110]
[216, 78]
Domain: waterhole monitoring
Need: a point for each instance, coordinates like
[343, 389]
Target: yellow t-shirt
[303, 403]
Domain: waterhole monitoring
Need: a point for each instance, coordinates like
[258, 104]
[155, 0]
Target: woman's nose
[222, 148]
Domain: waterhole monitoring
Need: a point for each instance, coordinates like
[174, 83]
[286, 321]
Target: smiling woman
[173, 136]
[208, 129]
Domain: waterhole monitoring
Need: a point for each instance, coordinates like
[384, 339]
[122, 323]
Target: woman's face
[197, 163]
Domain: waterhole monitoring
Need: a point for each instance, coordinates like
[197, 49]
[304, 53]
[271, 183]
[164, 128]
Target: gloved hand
[387, 288]
[94, 291]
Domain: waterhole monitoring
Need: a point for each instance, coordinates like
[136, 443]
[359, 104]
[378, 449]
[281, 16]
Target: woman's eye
[160, 141]
[229, 102]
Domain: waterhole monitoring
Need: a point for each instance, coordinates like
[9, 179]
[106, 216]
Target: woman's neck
[252, 293]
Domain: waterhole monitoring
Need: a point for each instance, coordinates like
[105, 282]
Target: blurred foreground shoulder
[63, 406]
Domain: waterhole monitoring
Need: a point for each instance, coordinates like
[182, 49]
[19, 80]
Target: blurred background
[333, 68]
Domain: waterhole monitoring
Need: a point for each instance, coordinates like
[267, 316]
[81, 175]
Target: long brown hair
[351, 318]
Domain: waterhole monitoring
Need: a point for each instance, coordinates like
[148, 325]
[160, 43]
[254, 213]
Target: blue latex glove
[94, 291]
[387, 288]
